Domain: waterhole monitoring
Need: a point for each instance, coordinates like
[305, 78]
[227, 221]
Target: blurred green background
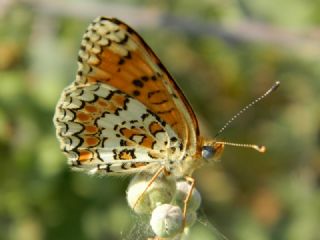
[223, 54]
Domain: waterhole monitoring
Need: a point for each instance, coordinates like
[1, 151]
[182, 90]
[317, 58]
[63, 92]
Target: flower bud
[183, 188]
[167, 220]
[161, 190]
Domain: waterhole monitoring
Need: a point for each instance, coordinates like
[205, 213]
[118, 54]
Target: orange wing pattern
[123, 113]
[101, 128]
[113, 53]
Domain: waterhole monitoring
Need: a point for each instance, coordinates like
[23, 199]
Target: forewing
[112, 53]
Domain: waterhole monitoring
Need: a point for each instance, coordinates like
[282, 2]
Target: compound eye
[207, 152]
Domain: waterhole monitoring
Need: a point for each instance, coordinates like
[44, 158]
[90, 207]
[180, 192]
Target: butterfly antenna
[260, 149]
[270, 90]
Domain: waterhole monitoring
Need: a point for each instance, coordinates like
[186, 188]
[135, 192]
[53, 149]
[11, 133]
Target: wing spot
[127, 154]
[173, 139]
[128, 56]
[80, 59]
[144, 116]
[125, 166]
[160, 102]
[103, 141]
[83, 117]
[166, 111]
[85, 155]
[91, 109]
[123, 142]
[124, 40]
[92, 141]
[145, 78]
[137, 83]
[91, 129]
[150, 94]
[108, 168]
[121, 61]
[114, 151]
[76, 163]
[136, 93]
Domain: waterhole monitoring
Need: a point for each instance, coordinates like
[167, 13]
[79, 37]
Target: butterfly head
[211, 150]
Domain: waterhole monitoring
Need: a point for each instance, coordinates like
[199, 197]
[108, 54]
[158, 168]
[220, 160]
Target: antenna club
[261, 149]
[275, 86]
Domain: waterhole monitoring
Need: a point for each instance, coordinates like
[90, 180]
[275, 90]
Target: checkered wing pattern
[124, 113]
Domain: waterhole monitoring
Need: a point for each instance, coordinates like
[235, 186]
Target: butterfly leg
[187, 199]
[154, 177]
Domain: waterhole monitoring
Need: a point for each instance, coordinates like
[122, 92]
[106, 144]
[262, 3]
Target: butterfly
[124, 113]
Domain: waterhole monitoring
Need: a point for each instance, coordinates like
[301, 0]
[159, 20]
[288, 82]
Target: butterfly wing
[101, 128]
[120, 80]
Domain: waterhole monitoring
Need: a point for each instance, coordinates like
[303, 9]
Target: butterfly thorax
[187, 166]
[207, 151]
